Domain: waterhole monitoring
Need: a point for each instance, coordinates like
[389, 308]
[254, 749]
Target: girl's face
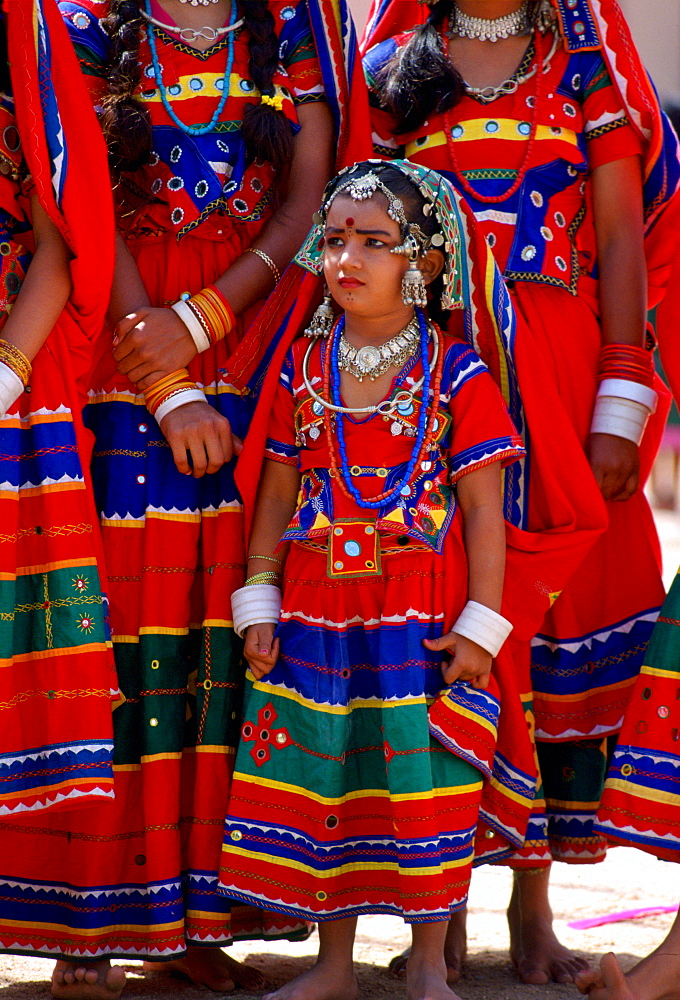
[363, 276]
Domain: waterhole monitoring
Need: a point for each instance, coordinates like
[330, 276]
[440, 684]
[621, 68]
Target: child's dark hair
[420, 79]
[126, 122]
[414, 203]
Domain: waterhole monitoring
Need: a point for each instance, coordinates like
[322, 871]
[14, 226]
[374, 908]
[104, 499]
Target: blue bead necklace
[158, 74]
[340, 418]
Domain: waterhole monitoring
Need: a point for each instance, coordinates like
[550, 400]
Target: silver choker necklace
[374, 361]
[201, 3]
[485, 30]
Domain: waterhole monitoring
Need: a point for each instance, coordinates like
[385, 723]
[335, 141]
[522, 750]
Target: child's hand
[261, 649]
[469, 662]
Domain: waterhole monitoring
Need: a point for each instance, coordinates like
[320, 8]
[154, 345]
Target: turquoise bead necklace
[158, 74]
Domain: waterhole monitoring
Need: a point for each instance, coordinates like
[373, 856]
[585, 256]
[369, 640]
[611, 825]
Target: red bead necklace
[495, 199]
[427, 442]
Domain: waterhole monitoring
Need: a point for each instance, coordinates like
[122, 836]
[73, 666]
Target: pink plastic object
[615, 918]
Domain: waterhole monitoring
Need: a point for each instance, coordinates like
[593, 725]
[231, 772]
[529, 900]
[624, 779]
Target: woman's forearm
[619, 226]
[479, 494]
[250, 278]
[45, 289]
[128, 293]
[276, 503]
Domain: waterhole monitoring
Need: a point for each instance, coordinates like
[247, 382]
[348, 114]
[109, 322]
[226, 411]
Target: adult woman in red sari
[519, 106]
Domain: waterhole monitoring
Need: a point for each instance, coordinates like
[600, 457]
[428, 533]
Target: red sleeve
[281, 437]
[607, 129]
[482, 431]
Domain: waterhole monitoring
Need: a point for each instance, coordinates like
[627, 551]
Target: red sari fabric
[55, 648]
[139, 878]
[589, 648]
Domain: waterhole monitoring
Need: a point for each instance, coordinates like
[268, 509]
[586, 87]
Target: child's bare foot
[87, 981]
[536, 953]
[455, 951]
[324, 981]
[212, 968]
[425, 980]
[656, 977]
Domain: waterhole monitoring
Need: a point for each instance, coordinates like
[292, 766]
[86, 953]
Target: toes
[612, 972]
[531, 976]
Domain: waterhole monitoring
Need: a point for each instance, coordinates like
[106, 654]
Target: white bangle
[623, 388]
[11, 388]
[622, 418]
[485, 627]
[193, 325]
[179, 399]
[256, 605]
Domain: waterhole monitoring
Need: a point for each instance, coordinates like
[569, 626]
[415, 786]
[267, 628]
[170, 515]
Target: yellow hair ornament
[274, 102]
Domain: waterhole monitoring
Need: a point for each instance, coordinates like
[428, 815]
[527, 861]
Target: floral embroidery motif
[263, 736]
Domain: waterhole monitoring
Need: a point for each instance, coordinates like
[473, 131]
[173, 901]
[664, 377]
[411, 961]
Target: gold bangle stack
[252, 581]
[268, 261]
[16, 360]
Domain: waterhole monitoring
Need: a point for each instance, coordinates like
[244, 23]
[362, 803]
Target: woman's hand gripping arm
[153, 342]
[619, 225]
[275, 506]
[480, 498]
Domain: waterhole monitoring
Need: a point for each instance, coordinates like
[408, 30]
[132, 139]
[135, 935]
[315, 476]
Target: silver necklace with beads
[199, 3]
[485, 30]
[371, 361]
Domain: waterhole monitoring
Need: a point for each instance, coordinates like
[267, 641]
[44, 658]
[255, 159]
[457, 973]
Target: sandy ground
[627, 880]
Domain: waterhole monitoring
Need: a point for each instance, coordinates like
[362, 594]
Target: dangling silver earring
[413, 287]
[323, 319]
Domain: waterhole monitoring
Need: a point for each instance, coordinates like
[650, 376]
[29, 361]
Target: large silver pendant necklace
[485, 30]
[371, 361]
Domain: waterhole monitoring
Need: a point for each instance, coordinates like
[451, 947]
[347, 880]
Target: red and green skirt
[360, 781]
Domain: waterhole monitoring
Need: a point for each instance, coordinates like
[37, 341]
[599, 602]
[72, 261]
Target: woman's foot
[212, 968]
[455, 951]
[656, 977]
[87, 981]
[536, 954]
[324, 981]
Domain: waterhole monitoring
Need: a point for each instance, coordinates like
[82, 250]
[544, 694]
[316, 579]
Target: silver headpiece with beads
[415, 243]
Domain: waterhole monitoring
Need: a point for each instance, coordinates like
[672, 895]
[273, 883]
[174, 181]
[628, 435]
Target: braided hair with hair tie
[126, 122]
[266, 132]
[420, 79]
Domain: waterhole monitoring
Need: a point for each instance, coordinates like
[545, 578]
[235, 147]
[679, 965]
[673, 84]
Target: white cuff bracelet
[622, 418]
[192, 323]
[485, 627]
[256, 605]
[11, 388]
[623, 388]
[179, 399]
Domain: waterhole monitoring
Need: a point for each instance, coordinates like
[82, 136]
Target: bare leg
[87, 981]
[536, 953]
[212, 968]
[455, 950]
[426, 968]
[332, 977]
[656, 977]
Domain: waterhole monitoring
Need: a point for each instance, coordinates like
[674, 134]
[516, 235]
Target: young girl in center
[370, 632]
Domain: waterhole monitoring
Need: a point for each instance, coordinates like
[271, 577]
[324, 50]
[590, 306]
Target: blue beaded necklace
[422, 417]
[158, 74]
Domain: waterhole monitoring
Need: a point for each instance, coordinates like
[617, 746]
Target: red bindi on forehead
[349, 221]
